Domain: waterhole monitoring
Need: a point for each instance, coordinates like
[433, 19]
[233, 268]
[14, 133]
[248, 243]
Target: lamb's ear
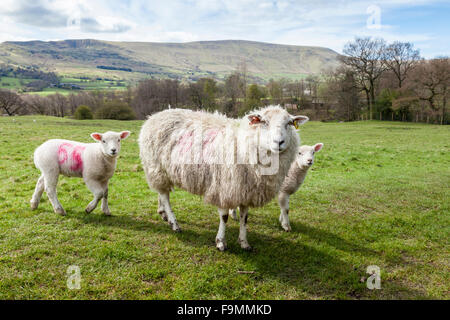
[254, 118]
[299, 120]
[124, 134]
[318, 147]
[96, 136]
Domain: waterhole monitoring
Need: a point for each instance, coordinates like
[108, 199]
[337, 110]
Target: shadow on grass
[317, 272]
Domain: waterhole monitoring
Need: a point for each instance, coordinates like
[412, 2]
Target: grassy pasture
[12, 83]
[378, 194]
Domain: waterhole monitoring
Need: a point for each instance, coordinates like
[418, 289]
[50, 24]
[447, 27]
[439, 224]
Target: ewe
[293, 181]
[229, 162]
[94, 162]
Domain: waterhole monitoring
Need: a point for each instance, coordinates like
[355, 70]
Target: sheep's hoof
[34, 205]
[175, 227]
[108, 214]
[221, 245]
[286, 228]
[60, 211]
[245, 246]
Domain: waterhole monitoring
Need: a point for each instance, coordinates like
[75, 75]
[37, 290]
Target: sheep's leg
[161, 210]
[105, 207]
[98, 189]
[233, 213]
[50, 182]
[40, 186]
[164, 199]
[243, 212]
[283, 201]
[221, 244]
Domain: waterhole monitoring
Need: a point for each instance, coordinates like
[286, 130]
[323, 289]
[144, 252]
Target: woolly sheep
[222, 159]
[293, 181]
[94, 162]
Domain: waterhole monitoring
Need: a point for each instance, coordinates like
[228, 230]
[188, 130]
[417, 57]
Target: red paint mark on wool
[77, 162]
[209, 136]
[62, 152]
[186, 141]
[75, 155]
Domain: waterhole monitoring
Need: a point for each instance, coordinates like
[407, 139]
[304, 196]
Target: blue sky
[299, 22]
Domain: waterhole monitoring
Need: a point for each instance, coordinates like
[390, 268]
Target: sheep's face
[276, 126]
[305, 156]
[110, 141]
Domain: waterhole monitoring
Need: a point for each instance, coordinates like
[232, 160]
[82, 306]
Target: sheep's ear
[299, 120]
[124, 134]
[96, 136]
[254, 118]
[318, 147]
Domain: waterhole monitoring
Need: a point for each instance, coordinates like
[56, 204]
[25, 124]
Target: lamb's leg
[243, 212]
[221, 243]
[105, 207]
[283, 201]
[161, 210]
[98, 189]
[40, 186]
[50, 182]
[233, 213]
[164, 198]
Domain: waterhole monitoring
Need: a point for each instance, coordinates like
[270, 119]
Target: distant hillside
[137, 60]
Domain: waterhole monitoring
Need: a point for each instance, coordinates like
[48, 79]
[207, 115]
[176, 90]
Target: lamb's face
[276, 126]
[110, 141]
[305, 156]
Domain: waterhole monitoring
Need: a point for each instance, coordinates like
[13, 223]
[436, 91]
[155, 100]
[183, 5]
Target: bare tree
[341, 92]
[364, 57]
[59, 104]
[10, 102]
[401, 58]
[234, 89]
[36, 103]
[431, 81]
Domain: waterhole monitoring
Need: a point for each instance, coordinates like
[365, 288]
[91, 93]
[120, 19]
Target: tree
[234, 89]
[36, 103]
[364, 57]
[203, 93]
[116, 110]
[10, 102]
[83, 113]
[59, 104]
[341, 91]
[430, 83]
[384, 102]
[401, 58]
[275, 91]
[253, 99]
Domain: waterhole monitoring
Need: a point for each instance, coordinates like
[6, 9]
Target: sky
[324, 23]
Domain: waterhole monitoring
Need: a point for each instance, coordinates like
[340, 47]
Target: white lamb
[293, 181]
[94, 162]
[220, 158]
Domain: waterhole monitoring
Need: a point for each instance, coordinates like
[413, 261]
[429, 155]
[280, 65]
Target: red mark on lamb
[77, 162]
[62, 152]
[75, 154]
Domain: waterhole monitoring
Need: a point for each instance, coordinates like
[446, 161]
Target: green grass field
[18, 84]
[378, 194]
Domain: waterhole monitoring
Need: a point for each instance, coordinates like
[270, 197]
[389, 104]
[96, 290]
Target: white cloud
[302, 22]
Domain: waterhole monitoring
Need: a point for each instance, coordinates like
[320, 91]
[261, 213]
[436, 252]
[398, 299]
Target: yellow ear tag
[295, 125]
